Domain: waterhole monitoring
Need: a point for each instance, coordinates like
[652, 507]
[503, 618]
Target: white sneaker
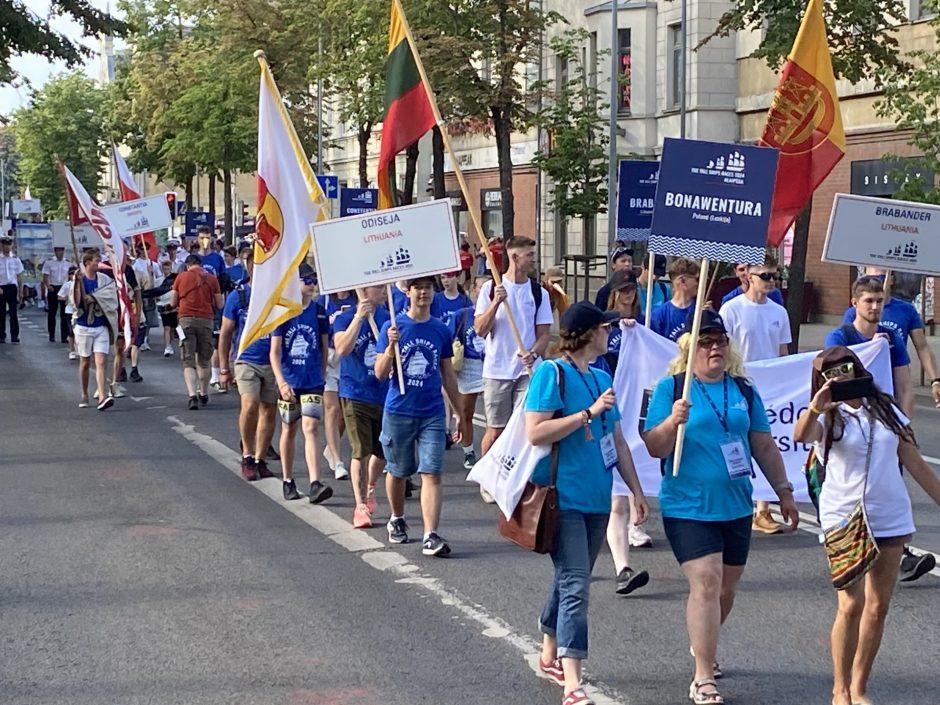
[73, 356]
[95, 395]
[145, 347]
[329, 458]
[168, 351]
[340, 472]
[118, 392]
[487, 497]
[639, 538]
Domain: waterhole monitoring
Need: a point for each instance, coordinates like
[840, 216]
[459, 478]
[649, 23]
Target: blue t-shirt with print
[662, 292]
[334, 306]
[445, 308]
[423, 345]
[236, 309]
[236, 273]
[703, 489]
[900, 316]
[849, 335]
[668, 320]
[357, 380]
[584, 482]
[301, 352]
[213, 263]
[774, 295]
[90, 286]
[461, 328]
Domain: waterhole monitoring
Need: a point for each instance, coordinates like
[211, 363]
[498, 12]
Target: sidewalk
[813, 335]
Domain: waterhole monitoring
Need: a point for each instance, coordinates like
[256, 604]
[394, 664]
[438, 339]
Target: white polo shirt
[57, 270]
[10, 268]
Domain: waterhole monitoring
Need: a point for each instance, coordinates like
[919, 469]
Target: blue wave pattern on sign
[697, 249]
[633, 233]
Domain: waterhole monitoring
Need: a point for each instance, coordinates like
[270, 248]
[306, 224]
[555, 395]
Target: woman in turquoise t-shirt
[584, 421]
[707, 507]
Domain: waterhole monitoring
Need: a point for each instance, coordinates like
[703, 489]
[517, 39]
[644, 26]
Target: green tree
[10, 166]
[64, 118]
[25, 32]
[576, 163]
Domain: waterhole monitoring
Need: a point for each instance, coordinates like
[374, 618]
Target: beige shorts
[500, 397]
[256, 380]
[198, 341]
[331, 384]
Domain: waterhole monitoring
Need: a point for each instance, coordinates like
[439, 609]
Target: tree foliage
[63, 119]
[861, 33]
[11, 160]
[22, 31]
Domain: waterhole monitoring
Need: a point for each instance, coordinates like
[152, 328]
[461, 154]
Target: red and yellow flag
[408, 113]
[804, 123]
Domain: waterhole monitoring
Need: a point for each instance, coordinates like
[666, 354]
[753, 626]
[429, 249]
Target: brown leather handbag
[535, 519]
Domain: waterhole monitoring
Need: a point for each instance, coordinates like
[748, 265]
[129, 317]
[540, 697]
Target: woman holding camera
[860, 442]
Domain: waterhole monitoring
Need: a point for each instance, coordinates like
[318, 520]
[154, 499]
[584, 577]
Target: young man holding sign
[413, 425]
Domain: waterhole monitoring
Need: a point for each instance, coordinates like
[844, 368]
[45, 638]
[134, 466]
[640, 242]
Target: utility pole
[539, 136]
[683, 41]
[3, 191]
[614, 107]
[320, 110]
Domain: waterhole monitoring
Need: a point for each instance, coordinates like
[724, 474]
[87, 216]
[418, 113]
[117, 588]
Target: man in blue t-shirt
[299, 365]
[362, 396]
[212, 261]
[669, 318]
[94, 297]
[742, 270]
[418, 349]
[868, 299]
[902, 317]
[253, 377]
[335, 304]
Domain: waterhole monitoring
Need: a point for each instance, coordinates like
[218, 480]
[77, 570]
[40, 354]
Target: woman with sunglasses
[706, 507]
[860, 442]
[584, 421]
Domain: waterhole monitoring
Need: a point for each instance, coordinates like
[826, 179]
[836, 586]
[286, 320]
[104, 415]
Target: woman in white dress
[844, 434]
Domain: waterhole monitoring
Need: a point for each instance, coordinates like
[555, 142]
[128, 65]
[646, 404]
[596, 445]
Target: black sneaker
[629, 580]
[290, 490]
[914, 567]
[135, 375]
[434, 545]
[409, 488]
[397, 530]
[203, 399]
[15, 341]
[319, 492]
[123, 376]
[106, 404]
[249, 469]
[263, 471]
[193, 404]
[272, 454]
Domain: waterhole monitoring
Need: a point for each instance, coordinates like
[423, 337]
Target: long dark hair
[880, 404]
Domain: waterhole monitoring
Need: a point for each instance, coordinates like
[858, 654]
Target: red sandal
[577, 697]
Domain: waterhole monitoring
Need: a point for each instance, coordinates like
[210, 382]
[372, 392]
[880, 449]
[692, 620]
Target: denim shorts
[400, 434]
[691, 539]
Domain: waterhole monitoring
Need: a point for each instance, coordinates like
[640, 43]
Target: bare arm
[661, 440]
[219, 302]
[927, 361]
[904, 389]
[277, 344]
[324, 352]
[542, 335]
[484, 322]
[764, 450]
[174, 298]
[344, 341]
[543, 429]
[385, 361]
[225, 341]
[627, 469]
[784, 349]
[921, 472]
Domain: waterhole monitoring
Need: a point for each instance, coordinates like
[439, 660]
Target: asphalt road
[137, 567]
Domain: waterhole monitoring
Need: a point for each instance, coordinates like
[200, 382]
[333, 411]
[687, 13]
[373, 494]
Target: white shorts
[332, 372]
[470, 377]
[91, 340]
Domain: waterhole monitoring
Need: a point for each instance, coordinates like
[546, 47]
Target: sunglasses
[845, 368]
[764, 276]
[712, 341]
[309, 281]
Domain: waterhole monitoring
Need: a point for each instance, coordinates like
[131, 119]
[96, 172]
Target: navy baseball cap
[711, 321]
[582, 316]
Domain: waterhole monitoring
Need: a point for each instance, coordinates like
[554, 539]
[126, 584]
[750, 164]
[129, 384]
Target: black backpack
[537, 292]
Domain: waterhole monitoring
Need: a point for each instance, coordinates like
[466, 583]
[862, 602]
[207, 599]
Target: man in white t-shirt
[760, 329]
[505, 367]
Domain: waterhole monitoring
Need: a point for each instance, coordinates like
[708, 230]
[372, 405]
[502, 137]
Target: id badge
[609, 451]
[737, 460]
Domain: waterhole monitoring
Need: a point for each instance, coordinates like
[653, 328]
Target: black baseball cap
[621, 280]
[306, 271]
[619, 251]
[426, 277]
[711, 321]
[582, 316]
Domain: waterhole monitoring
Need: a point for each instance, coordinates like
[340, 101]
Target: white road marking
[930, 459]
[141, 398]
[382, 558]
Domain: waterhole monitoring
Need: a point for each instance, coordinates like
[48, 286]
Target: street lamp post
[614, 105]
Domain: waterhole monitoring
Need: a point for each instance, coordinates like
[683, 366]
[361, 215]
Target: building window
[674, 65]
[925, 9]
[623, 37]
[491, 210]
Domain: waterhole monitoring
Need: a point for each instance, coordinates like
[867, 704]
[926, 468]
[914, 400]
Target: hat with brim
[583, 316]
[711, 323]
[622, 280]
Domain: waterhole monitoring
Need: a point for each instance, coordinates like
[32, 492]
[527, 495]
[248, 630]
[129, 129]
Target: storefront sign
[713, 201]
[882, 232]
[876, 177]
[488, 158]
[356, 201]
[385, 246]
[636, 193]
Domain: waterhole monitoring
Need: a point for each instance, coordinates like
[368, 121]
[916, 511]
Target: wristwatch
[783, 486]
[934, 381]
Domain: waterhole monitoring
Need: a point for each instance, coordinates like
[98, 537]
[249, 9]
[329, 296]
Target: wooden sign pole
[650, 266]
[398, 367]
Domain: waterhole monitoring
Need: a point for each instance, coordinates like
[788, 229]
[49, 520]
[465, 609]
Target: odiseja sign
[885, 233]
[713, 201]
[384, 246]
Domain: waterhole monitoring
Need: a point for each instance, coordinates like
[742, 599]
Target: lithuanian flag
[408, 112]
[804, 123]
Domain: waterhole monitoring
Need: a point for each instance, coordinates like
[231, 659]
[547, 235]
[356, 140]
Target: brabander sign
[882, 232]
[385, 246]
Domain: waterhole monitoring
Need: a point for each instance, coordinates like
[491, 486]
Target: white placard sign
[142, 215]
[882, 232]
[85, 235]
[384, 246]
[26, 206]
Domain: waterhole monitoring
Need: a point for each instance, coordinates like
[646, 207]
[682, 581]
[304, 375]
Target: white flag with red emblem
[289, 200]
[130, 192]
[82, 205]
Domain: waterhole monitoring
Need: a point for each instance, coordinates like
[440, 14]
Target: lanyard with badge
[737, 459]
[608, 448]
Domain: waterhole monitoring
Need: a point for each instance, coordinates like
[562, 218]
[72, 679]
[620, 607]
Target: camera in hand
[858, 388]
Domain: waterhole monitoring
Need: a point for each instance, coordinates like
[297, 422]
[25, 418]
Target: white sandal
[699, 698]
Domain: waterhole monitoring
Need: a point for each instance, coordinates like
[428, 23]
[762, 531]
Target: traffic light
[242, 212]
[171, 204]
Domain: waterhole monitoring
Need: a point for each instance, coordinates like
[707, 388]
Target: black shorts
[691, 539]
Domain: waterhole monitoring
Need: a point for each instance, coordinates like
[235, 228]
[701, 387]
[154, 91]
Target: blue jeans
[565, 614]
[402, 434]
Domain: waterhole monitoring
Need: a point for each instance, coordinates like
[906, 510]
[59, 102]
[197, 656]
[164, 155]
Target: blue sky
[36, 69]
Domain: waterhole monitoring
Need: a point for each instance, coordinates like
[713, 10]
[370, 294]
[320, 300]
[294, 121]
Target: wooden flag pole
[650, 265]
[693, 344]
[398, 367]
[889, 284]
[474, 218]
[375, 329]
